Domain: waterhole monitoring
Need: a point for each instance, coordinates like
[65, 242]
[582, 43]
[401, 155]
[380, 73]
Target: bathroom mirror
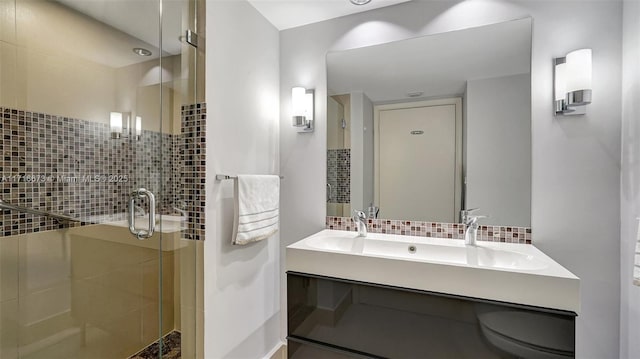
[424, 127]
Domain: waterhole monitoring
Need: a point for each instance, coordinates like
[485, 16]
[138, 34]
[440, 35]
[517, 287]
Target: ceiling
[285, 14]
[139, 19]
[436, 65]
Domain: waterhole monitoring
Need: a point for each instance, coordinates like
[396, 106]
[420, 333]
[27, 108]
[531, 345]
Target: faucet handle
[471, 220]
[358, 215]
[464, 214]
[476, 217]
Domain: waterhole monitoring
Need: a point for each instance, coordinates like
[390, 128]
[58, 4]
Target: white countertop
[508, 272]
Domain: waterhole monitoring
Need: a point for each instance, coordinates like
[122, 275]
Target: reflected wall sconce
[302, 107]
[138, 129]
[572, 82]
[117, 125]
[120, 123]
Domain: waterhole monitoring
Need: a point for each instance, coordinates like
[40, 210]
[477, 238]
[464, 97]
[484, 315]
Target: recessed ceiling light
[360, 2]
[142, 52]
[415, 94]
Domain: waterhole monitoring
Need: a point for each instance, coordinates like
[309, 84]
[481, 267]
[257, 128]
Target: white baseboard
[273, 352]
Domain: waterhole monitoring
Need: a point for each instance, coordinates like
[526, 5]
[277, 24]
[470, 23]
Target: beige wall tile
[9, 329]
[10, 87]
[151, 321]
[52, 28]
[8, 268]
[44, 261]
[126, 333]
[138, 92]
[188, 340]
[8, 21]
[75, 282]
[191, 274]
[92, 257]
[168, 271]
[46, 328]
[192, 341]
[127, 280]
[150, 278]
[190, 266]
[97, 305]
[38, 306]
[199, 329]
[93, 61]
[177, 291]
[46, 72]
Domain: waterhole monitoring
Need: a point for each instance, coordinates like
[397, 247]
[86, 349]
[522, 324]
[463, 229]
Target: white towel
[257, 211]
[636, 258]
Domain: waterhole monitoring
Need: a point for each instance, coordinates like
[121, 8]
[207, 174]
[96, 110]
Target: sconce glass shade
[572, 82]
[579, 72]
[298, 106]
[302, 109]
[560, 81]
[138, 127]
[116, 124]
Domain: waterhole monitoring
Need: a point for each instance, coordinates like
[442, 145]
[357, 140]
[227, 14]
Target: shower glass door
[91, 99]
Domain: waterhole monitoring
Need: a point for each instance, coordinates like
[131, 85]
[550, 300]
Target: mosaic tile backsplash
[193, 165]
[73, 167]
[339, 175]
[434, 229]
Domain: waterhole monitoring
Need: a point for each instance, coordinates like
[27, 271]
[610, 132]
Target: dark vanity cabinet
[337, 318]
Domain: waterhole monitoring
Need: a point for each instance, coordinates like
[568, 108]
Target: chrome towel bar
[7, 206]
[226, 177]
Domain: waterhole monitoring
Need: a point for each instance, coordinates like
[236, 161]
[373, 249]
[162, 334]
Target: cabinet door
[386, 322]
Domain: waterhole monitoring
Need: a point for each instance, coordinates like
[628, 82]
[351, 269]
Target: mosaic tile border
[339, 175]
[193, 164]
[46, 160]
[505, 234]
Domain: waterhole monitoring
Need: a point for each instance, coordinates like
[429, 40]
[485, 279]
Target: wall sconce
[138, 132]
[572, 82]
[120, 123]
[116, 125]
[302, 101]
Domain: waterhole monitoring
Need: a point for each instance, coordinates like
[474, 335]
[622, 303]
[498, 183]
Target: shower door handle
[142, 233]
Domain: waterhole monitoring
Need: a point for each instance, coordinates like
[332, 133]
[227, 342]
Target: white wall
[367, 153]
[498, 149]
[630, 181]
[361, 151]
[335, 132]
[241, 283]
[575, 181]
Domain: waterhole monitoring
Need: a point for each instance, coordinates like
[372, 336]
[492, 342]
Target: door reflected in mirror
[422, 128]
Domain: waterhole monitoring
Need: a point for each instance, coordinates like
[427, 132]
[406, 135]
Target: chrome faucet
[139, 211]
[180, 207]
[471, 226]
[360, 219]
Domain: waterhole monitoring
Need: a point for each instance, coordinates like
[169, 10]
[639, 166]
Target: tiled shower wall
[504, 234]
[192, 164]
[339, 175]
[73, 167]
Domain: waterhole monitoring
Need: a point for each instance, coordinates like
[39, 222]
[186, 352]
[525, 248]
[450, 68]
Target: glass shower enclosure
[99, 250]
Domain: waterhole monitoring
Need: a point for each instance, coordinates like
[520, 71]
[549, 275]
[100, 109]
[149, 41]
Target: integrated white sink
[427, 249]
[516, 273]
